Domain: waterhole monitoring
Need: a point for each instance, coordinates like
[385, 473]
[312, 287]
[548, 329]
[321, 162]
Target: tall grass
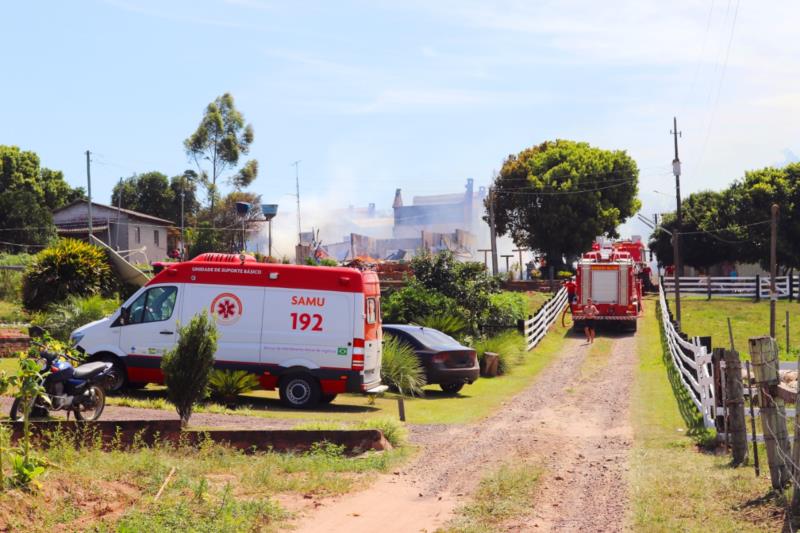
[61, 319]
[11, 280]
[509, 347]
[400, 367]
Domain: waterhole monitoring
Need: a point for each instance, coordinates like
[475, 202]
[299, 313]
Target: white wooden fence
[693, 363]
[741, 286]
[536, 327]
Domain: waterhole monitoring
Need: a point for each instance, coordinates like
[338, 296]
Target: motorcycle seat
[89, 370]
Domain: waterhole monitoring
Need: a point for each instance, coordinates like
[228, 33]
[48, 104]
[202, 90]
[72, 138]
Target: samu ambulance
[310, 332]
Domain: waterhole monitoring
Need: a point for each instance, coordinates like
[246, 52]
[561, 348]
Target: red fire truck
[610, 275]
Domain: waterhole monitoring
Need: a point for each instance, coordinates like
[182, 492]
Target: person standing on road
[589, 311]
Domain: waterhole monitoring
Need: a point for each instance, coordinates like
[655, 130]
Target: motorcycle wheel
[93, 409]
[17, 412]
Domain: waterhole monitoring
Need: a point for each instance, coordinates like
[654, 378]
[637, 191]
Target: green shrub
[62, 318]
[70, 267]
[400, 367]
[188, 366]
[226, 385]
[415, 300]
[453, 325]
[505, 308]
[509, 347]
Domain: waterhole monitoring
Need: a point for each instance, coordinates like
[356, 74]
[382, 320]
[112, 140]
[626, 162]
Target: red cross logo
[226, 308]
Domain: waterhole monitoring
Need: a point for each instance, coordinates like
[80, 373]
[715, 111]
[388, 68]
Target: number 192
[302, 321]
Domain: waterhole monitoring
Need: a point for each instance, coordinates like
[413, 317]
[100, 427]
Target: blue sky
[371, 96]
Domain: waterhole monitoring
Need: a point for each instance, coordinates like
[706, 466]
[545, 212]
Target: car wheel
[300, 391]
[451, 388]
[327, 398]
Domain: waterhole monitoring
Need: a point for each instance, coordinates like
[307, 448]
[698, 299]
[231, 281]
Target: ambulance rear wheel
[300, 391]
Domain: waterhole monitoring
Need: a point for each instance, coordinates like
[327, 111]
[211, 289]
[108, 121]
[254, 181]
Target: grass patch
[674, 486]
[12, 312]
[598, 357]
[503, 495]
[214, 488]
[536, 300]
[748, 319]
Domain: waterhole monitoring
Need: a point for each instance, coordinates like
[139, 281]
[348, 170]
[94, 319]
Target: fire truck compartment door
[604, 286]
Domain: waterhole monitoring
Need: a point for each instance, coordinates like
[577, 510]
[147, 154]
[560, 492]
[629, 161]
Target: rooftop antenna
[297, 185]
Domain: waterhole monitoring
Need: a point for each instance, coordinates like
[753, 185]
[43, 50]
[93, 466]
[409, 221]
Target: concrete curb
[135, 433]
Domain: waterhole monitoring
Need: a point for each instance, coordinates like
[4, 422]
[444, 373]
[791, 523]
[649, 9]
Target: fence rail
[693, 363]
[742, 286]
[536, 327]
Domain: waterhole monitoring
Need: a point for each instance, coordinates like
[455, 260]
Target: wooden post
[752, 421]
[764, 353]
[787, 334]
[791, 284]
[730, 333]
[734, 407]
[724, 402]
[708, 285]
[795, 507]
[401, 408]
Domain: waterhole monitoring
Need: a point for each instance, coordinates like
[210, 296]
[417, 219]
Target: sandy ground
[577, 429]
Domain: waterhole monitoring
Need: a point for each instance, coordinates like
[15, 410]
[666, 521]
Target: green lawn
[674, 486]
[748, 319]
[8, 364]
[536, 299]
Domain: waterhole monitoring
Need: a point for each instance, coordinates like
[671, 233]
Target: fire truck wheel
[327, 398]
[300, 391]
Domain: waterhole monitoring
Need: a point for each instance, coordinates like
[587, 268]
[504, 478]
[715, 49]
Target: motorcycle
[78, 389]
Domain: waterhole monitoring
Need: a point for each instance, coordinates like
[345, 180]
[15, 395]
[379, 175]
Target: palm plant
[400, 367]
[450, 324]
[226, 385]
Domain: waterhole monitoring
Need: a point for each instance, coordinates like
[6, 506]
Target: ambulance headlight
[75, 338]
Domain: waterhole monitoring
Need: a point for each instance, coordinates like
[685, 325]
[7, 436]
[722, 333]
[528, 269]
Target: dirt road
[576, 428]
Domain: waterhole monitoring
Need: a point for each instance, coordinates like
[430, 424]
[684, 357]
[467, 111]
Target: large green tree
[704, 241]
[558, 196]
[148, 193]
[219, 141]
[28, 194]
[733, 225]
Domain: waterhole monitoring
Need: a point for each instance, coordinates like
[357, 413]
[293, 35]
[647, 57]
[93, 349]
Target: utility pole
[773, 270]
[676, 239]
[89, 190]
[297, 185]
[183, 234]
[119, 214]
[492, 231]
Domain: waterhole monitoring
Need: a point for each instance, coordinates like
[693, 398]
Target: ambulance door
[148, 327]
[237, 312]
[307, 328]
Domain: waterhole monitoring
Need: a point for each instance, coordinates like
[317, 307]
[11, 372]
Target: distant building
[139, 237]
[432, 223]
[442, 213]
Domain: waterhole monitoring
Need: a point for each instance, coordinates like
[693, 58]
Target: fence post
[734, 406]
[752, 420]
[794, 510]
[719, 419]
[791, 284]
[764, 353]
[758, 287]
[708, 286]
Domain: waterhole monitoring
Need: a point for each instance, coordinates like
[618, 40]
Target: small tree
[188, 366]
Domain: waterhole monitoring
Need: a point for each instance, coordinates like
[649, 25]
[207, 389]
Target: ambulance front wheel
[300, 391]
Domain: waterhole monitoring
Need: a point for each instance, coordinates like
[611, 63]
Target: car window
[154, 305]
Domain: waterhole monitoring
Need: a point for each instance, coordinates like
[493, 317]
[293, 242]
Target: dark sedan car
[446, 362]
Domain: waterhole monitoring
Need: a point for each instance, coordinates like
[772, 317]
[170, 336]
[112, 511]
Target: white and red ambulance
[311, 332]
